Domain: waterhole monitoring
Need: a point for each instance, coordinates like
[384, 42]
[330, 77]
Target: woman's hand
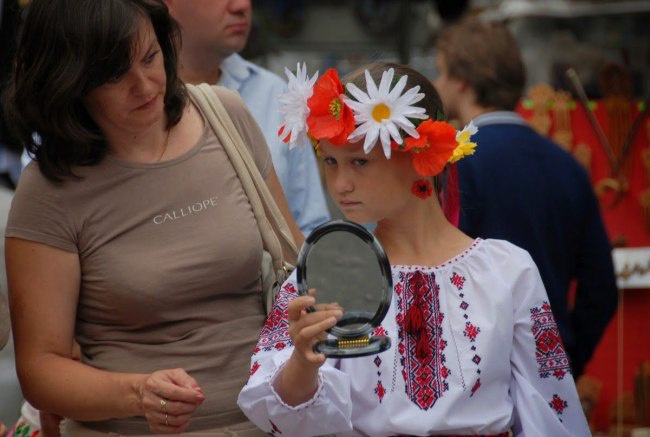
[169, 399]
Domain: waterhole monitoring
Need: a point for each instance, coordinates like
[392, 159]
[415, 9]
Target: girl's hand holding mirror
[308, 324]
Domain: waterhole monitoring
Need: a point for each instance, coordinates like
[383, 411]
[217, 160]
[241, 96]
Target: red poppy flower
[422, 188]
[432, 150]
[329, 117]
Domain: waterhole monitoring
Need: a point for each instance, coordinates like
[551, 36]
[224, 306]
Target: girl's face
[368, 187]
[135, 100]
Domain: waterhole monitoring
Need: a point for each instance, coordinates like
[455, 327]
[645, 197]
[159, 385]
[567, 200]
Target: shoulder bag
[280, 251]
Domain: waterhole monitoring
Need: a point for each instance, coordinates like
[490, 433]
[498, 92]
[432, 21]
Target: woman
[475, 350]
[131, 232]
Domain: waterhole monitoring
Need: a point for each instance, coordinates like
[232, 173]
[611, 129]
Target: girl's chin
[361, 219]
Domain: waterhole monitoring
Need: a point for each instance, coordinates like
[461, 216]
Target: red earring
[422, 188]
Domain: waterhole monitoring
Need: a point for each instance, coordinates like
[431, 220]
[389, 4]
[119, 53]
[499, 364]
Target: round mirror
[346, 264]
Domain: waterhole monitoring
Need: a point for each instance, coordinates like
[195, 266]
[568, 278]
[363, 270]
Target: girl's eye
[329, 161]
[360, 162]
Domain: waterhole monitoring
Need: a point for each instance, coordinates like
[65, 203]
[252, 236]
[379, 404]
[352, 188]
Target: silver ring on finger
[163, 404]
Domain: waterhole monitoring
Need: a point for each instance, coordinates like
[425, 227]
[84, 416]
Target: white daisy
[381, 112]
[293, 105]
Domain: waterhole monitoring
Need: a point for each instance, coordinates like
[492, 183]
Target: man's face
[448, 87]
[221, 26]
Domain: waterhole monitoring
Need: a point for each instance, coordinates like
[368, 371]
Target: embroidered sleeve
[542, 387]
[327, 412]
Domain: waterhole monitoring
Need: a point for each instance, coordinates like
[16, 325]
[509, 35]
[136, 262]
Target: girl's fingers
[314, 331]
[328, 306]
[298, 306]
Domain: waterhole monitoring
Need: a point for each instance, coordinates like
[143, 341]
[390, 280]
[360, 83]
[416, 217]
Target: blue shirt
[296, 168]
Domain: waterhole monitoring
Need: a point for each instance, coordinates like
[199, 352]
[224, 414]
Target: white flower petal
[385, 142]
[370, 86]
[371, 139]
[386, 80]
[394, 133]
[359, 132]
[387, 151]
[397, 90]
[411, 131]
[359, 95]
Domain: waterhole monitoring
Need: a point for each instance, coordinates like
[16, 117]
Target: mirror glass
[347, 265]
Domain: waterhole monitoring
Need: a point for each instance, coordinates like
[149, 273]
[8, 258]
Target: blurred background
[607, 43]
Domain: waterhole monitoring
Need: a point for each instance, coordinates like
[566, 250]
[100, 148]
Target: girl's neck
[426, 238]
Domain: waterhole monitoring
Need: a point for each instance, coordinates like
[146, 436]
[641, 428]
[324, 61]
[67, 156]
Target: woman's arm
[44, 287]
[273, 183]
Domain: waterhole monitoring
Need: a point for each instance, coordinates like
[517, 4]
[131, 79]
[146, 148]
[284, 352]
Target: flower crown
[321, 109]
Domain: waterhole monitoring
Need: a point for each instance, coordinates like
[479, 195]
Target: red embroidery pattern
[274, 333]
[558, 404]
[274, 429]
[379, 330]
[457, 280]
[425, 374]
[470, 332]
[380, 391]
[254, 368]
[550, 354]
[476, 386]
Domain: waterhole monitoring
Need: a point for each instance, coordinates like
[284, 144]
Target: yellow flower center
[335, 108]
[380, 112]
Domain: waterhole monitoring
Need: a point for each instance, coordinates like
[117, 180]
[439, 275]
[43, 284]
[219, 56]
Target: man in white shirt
[213, 32]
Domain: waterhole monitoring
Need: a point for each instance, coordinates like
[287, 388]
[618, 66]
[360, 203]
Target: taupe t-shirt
[170, 258]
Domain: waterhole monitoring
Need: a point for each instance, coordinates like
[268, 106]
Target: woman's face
[368, 187]
[135, 100]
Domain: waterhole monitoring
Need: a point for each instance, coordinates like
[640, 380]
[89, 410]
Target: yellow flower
[462, 150]
[465, 146]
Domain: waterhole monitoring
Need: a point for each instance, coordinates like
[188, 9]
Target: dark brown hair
[66, 49]
[431, 101]
[486, 56]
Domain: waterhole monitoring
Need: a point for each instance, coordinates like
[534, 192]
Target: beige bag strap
[276, 236]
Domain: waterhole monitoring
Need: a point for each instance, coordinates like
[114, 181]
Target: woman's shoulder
[32, 180]
[230, 99]
[235, 107]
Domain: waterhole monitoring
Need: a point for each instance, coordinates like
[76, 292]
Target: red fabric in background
[624, 222]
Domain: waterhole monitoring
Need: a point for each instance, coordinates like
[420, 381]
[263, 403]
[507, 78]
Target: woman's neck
[159, 143]
[145, 146]
[200, 66]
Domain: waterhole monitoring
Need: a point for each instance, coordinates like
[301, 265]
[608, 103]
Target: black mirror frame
[387, 278]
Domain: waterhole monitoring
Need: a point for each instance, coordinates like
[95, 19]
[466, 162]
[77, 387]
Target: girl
[475, 347]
